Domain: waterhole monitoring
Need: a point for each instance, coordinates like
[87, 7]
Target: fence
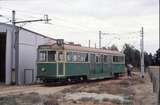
[154, 72]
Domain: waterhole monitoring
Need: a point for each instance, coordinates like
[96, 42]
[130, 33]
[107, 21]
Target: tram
[70, 62]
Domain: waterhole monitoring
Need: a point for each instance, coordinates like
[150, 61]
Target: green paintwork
[50, 69]
[72, 69]
[60, 69]
[118, 68]
[79, 69]
[101, 71]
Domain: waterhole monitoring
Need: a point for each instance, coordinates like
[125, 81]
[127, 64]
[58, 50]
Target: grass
[8, 101]
[51, 102]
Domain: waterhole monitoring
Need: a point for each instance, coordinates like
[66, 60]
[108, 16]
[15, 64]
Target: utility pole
[15, 40]
[95, 45]
[89, 43]
[142, 52]
[13, 18]
[100, 33]
[14, 49]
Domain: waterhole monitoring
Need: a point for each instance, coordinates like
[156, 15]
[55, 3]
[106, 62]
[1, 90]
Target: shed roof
[9, 25]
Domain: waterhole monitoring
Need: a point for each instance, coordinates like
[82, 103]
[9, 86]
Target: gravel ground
[135, 90]
[40, 89]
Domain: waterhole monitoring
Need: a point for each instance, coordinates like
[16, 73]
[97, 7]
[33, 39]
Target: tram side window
[96, 59]
[83, 57]
[86, 57]
[51, 56]
[121, 58]
[101, 58]
[69, 56]
[115, 58]
[77, 57]
[43, 56]
[118, 59]
[60, 56]
[105, 59]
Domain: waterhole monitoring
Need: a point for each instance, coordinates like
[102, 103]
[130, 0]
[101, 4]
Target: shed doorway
[2, 57]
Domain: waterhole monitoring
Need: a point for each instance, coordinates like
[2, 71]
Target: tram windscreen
[47, 56]
[51, 56]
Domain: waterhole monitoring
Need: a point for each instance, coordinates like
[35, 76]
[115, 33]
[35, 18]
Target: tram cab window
[51, 56]
[60, 56]
[42, 56]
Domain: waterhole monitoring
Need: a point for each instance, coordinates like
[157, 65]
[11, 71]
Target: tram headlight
[42, 69]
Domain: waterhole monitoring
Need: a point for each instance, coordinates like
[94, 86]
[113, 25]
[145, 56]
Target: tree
[132, 56]
[157, 57]
[113, 47]
[151, 59]
[147, 61]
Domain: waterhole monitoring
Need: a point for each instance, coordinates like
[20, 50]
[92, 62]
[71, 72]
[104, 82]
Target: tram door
[110, 64]
[101, 64]
[92, 64]
[60, 63]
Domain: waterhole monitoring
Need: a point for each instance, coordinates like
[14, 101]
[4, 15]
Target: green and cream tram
[66, 62]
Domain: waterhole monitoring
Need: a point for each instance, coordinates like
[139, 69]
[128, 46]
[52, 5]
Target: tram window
[115, 58]
[101, 58]
[105, 59]
[118, 58]
[60, 56]
[69, 56]
[80, 57]
[97, 59]
[86, 58]
[75, 57]
[42, 56]
[121, 58]
[51, 56]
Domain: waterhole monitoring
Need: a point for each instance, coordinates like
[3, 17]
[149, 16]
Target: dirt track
[137, 91]
[40, 89]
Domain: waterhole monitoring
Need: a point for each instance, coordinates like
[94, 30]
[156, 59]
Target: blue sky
[80, 20]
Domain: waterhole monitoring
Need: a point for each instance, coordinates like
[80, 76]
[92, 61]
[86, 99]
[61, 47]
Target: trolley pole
[100, 33]
[142, 53]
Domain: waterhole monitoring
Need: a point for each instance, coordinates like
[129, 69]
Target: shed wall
[28, 44]
[9, 52]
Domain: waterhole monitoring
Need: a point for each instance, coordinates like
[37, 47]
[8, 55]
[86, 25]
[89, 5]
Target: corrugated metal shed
[27, 53]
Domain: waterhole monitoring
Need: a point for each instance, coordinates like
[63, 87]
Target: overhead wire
[63, 22]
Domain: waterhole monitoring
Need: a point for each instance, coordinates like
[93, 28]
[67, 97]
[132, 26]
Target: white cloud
[80, 20]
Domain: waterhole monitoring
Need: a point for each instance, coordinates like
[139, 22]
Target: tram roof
[80, 48]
